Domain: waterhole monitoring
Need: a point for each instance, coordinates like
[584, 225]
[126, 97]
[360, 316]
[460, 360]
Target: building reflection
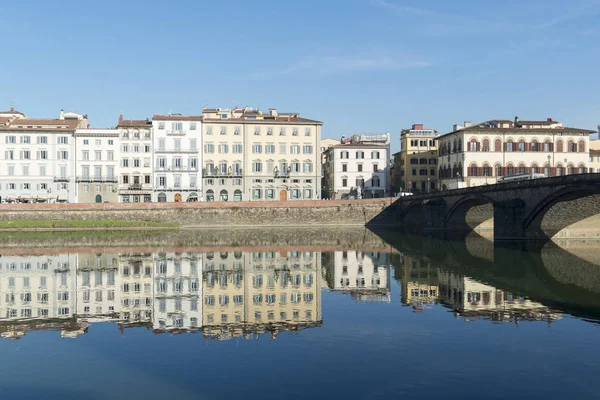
[419, 282]
[475, 300]
[222, 295]
[363, 275]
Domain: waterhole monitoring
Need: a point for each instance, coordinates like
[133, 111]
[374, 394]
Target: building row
[221, 155]
[480, 154]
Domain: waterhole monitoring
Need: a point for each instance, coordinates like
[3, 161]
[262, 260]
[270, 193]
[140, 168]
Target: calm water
[308, 316]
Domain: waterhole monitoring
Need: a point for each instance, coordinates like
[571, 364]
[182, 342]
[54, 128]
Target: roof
[42, 124]
[357, 145]
[487, 126]
[134, 123]
[266, 120]
[594, 152]
[176, 117]
[12, 111]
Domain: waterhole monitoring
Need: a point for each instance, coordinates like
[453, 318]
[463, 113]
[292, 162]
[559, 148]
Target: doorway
[177, 197]
[98, 198]
[283, 195]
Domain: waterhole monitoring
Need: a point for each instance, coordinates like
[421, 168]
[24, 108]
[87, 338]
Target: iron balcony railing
[96, 178]
[215, 173]
[175, 150]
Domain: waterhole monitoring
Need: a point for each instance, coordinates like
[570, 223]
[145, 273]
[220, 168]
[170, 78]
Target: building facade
[359, 167]
[249, 155]
[474, 155]
[416, 166]
[177, 142]
[135, 177]
[38, 161]
[97, 155]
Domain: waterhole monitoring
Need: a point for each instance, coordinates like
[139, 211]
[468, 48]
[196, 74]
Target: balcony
[175, 150]
[176, 133]
[215, 173]
[61, 179]
[183, 168]
[96, 179]
[176, 188]
[135, 186]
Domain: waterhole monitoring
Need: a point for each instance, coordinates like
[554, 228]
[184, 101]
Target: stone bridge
[525, 210]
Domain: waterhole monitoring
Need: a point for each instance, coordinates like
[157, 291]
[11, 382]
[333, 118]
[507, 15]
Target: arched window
[210, 195]
[459, 145]
[460, 169]
[547, 146]
[237, 195]
[223, 196]
[572, 147]
[559, 146]
[570, 169]
[534, 168]
[559, 170]
[193, 197]
[498, 168]
[510, 145]
[473, 170]
[534, 145]
[547, 170]
[581, 146]
[522, 169]
[521, 145]
[375, 181]
[473, 145]
[162, 198]
[455, 147]
[487, 171]
[486, 145]
[581, 169]
[510, 170]
[498, 145]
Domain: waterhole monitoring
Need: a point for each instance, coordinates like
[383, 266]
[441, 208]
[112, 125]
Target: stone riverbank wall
[218, 214]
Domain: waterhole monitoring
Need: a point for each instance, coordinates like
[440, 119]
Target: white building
[98, 294]
[359, 167]
[177, 142]
[177, 291]
[249, 155]
[97, 154]
[36, 288]
[135, 181]
[364, 275]
[38, 161]
[474, 155]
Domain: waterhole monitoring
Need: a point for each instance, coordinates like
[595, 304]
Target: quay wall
[218, 214]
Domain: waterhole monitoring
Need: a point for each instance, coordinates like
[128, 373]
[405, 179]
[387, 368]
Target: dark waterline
[315, 315]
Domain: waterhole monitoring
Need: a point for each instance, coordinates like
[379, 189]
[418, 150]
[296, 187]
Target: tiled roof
[11, 112]
[594, 152]
[134, 123]
[486, 126]
[355, 145]
[42, 124]
[267, 120]
[177, 117]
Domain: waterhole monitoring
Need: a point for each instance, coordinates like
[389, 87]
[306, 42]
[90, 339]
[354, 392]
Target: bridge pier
[435, 211]
[509, 219]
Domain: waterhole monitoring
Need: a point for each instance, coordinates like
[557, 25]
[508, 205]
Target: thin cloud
[332, 65]
[582, 11]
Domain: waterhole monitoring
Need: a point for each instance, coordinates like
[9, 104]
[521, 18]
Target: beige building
[249, 155]
[97, 154]
[135, 172]
[246, 294]
[365, 276]
[472, 299]
[474, 155]
[416, 165]
[419, 282]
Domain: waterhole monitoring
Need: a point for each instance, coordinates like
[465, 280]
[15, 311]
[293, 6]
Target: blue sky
[357, 65]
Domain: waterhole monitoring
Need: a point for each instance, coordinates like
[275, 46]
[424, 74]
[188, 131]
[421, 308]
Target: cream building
[177, 144]
[37, 163]
[325, 145]
[98, 294]
[473, 299]
[419, 282]
[97, 154]
[249, 155]
[416, 166]
[39, 288]
[474, 155]
[177, 292]
[135, 180]
[250, 293]
[358, 166]
[363, 275]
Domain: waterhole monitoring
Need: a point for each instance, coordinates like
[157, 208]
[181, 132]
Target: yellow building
[416, 165]
[419, 282]
[246, 294]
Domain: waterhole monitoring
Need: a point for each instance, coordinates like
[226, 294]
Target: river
[287, 313]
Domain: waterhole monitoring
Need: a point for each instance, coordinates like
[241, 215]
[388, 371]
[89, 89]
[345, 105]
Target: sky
[356, 65]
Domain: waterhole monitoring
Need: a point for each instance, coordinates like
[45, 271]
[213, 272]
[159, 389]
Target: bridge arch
[469, 212]
[563, 208]
[413, 214]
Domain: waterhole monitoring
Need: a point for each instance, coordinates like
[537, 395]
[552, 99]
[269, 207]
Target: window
[257, 166]
[281, 131]
[308, 149]
[307, 167]
[344, 154]
[223, 130]
[344, 167]
[257, 131]
[256, 148]
[209, 148]
[223, 148]
[375, 167]
[509, 146]
[473, 170]
[63, 140]
[360, 154]
[487, 170]
[375, 155]
[521, 146]
[270, 149]
[237, 148]
[44, 140]
[344, 182]
[295, 149]
[473, 145]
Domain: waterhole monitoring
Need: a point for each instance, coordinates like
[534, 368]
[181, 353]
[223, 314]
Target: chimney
[467, 124]
[516, 120]
[88, 125]
[417, 127]
[121, 118]
[272, 112]
[549, 119]
[147, 120]
[12, 109]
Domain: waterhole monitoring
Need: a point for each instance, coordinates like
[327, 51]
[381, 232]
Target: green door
[98, 198]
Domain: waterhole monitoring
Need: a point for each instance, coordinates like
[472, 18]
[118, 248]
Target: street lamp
[549, 167]
[428, 186]
[409, 187]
